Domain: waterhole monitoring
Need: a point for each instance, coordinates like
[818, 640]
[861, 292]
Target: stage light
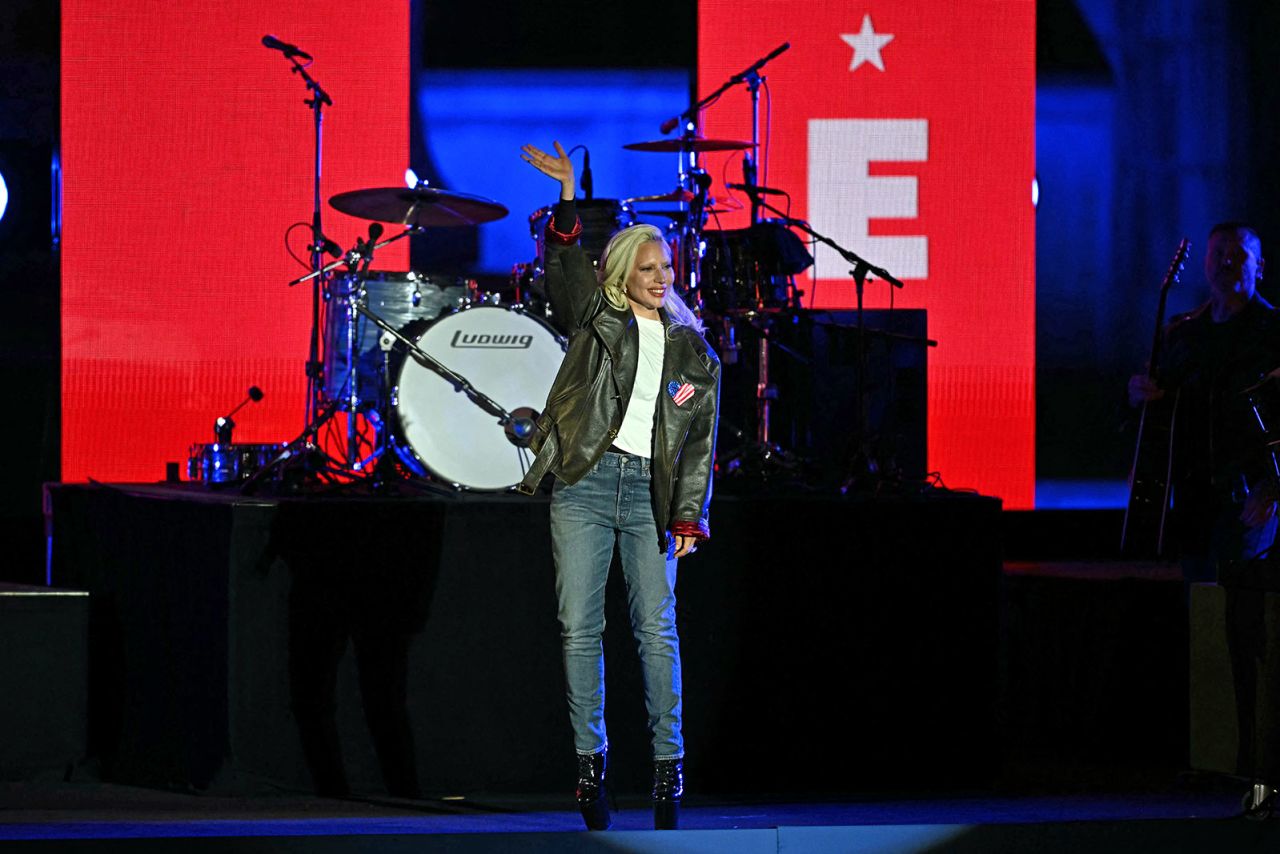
[4, 196]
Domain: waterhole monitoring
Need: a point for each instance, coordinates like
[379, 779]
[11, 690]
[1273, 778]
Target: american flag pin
[680, 392]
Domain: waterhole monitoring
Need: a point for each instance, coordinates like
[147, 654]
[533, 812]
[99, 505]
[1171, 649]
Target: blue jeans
[612, 504]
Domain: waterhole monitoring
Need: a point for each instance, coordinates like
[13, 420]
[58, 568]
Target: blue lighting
[4, 196]
[474, 123]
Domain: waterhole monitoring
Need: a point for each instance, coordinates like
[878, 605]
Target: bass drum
[503, 352]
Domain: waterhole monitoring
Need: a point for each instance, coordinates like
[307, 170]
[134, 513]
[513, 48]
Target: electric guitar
[1143, 534]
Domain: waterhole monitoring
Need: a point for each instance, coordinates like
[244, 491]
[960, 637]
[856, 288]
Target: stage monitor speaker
[813, 379]
[1235, 681]
[44, 673]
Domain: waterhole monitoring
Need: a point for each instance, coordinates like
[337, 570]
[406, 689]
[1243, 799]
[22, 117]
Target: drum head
[504, 353]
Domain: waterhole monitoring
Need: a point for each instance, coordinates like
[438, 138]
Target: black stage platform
[828, 644]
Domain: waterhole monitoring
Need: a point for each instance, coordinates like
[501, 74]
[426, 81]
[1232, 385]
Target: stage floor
[1195, 816]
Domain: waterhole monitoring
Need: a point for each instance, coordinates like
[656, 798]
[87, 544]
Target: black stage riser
[827, 644]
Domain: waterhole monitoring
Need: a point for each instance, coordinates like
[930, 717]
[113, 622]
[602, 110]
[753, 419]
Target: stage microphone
[365, 247]
[750, 188]
[587, 185]
[289, 50]
[324, 244]
[669, 125]
[223, 426]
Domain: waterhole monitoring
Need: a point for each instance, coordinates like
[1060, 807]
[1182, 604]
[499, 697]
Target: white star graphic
[866, 44]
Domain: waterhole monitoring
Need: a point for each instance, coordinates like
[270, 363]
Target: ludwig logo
[492, 341]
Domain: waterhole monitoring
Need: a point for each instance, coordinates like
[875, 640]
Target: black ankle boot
[1260, 801]
[668, 789]
[592, 798]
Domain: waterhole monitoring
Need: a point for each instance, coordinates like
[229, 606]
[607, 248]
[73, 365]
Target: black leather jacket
[586, 403]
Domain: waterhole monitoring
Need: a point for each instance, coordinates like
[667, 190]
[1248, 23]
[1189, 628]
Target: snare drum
[227, 463]
[504, 352]
[399, 299]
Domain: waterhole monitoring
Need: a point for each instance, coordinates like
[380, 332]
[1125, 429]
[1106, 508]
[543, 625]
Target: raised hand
[559, 167]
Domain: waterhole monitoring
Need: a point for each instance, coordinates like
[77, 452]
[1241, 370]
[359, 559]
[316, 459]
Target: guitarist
[1224, 496]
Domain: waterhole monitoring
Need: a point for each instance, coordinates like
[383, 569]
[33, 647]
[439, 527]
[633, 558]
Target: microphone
[366, 246]
[289, 50]
[324, 244]
[669, 125]
[760, 63]
[752, 188]
[587, 185]
[223, 426]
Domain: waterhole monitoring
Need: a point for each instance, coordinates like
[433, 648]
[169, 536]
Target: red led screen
[905, 131]
[186, 153]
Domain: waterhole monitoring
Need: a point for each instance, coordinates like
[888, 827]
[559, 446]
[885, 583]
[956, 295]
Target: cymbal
[679, 194]
[697, 143]
[423, 206]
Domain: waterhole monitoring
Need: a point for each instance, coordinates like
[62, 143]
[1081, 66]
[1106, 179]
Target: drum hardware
[382, 436]
[301, 453]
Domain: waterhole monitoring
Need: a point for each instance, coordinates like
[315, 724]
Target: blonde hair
[616, 263]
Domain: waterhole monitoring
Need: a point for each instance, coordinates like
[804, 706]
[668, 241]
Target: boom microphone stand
[864, 466]
[316, 103]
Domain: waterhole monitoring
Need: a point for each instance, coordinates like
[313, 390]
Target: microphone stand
[863, 464]
[750, 76]
[691, 113]
[317, 102]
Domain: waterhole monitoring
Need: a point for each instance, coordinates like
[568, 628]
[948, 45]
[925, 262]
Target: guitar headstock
[1175, 266]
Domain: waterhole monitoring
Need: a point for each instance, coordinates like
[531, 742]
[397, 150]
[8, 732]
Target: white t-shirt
[636, 434]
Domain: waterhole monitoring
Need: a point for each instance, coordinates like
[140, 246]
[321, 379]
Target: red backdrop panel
[924, 167]
[187, 152]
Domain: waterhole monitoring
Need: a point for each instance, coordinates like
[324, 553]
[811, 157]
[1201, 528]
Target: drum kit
[439, 382]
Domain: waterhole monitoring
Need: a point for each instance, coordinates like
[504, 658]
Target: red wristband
[699, 530]
[560, 237]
